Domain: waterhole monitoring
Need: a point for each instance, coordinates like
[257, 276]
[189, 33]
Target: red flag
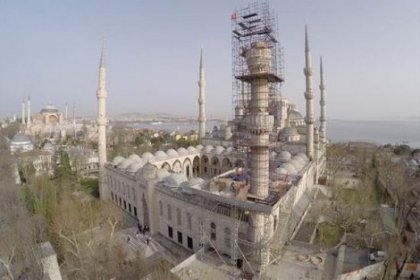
[233, 16]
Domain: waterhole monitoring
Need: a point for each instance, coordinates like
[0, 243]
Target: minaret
[309, 100]
[66, 111]
[323, 117]
[201, 100]
[101, 98]
[28, 108]
[23, 112]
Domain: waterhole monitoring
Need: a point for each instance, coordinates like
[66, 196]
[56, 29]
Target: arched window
[178, 216]
[169, 213]
[161, 208]
[213, 231]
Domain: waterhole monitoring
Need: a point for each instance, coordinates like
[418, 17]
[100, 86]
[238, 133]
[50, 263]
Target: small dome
[135, 157]
[174, 180]
[125, 163]
[273, 155]
[297, 165]
[300, 160]
[117, 160]
[149, 171]
[160, 155]
[171, 153]
[281, 171]
[182, 152]
[284, 156]
[148, 156]
[218, 150]
[290, 168]
[135, 166]
[229, 151]
[199, 147]
[303, 156]
[191, 150]
[20, 138]
[208, 148]
[162, 173]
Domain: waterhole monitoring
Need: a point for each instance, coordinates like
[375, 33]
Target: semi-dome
[135, 157]
[208, 148]
[162, 173]
[218, 150]
[125, 163]
[134, 167]
[147, 156]
[295, 115]
[284, 156]
[199, 147]
[290, 131]
[182, 152]
[191, 150]
[171, 153]
[174, 180]
[160, 155]
[20, 138]
[117, 160]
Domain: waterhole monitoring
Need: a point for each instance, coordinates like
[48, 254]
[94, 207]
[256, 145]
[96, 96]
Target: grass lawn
[328, 235]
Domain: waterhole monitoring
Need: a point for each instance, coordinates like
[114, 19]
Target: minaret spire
[23, 121]
[322, 102]
[201, 100]
[309, 99]
[101, 121]
[28, 108]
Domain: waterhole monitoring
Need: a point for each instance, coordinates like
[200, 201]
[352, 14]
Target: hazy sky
[50, 51]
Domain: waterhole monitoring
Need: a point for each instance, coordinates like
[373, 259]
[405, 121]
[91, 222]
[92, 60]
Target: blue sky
[50, 51]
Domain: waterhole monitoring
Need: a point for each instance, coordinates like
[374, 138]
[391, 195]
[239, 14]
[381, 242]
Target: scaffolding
[255, 22]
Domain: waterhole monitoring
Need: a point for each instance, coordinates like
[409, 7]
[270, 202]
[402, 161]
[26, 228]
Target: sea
[400, 131]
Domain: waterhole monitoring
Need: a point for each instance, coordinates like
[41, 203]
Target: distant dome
[49, 109]
[174, 180]
[135, 157]
[20, 138]
[162, 173]
[199, 147]
[125, 163]
[160, 155]
[135, 166]
[171, 153]
[191, 150]
[208, 148]
[117, 160]
[284, 156]
[147, 156]
[218, 150]
[182, 152]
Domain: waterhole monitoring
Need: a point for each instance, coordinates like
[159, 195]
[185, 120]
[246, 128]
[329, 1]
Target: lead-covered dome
[172, 153]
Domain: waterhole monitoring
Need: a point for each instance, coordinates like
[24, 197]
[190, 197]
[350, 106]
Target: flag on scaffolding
[233, 16]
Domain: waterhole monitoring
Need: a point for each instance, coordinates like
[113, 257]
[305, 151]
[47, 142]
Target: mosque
[48, 121]
[245, 198]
